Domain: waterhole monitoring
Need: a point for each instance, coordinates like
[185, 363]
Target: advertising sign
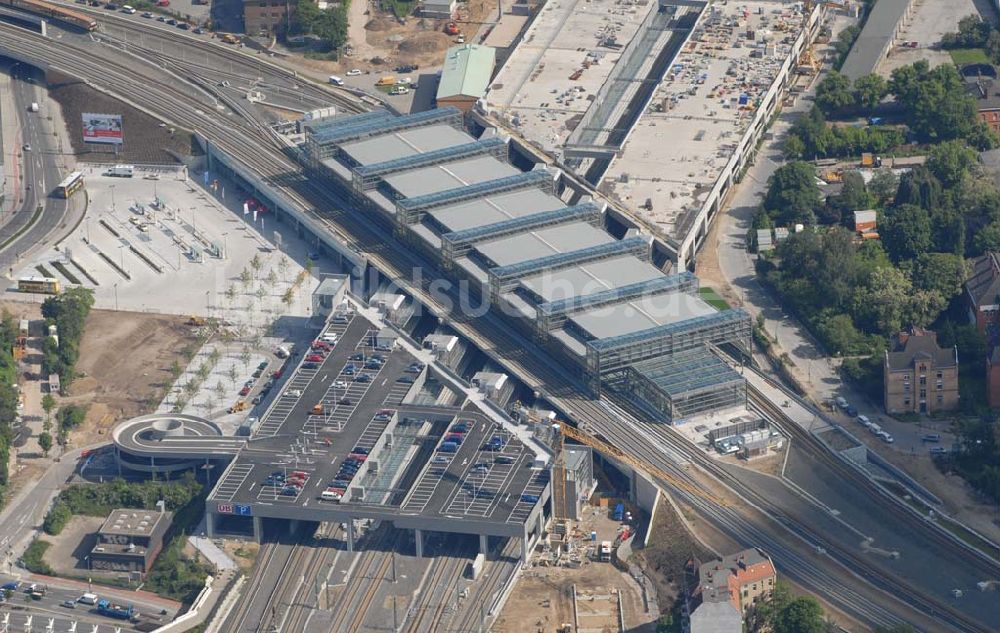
[103, 128]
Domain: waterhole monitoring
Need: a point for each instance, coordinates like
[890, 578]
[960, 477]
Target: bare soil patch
[145, 141]
[124, 367]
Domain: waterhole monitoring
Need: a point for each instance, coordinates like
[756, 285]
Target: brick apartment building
[919, 375]
[980, 83]
[269, 16]
[729, 588]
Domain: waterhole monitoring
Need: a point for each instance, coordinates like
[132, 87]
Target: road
[498, 340]
[40, 173]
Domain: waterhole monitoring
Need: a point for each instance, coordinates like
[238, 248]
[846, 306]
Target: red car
[314, 358]
[321, 345]
[277, 374]
[245, 390]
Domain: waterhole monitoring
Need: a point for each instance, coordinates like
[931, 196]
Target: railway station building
[535, 251]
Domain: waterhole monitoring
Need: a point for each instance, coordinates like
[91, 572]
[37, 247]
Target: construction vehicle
[601, 446]
[112, 610]
[195, 320]
[451, 29]
[239, 405]
[388, 80]
[317, 409]
[229, 38]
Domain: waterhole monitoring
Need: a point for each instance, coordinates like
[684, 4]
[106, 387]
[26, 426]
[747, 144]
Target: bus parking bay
[485, 484]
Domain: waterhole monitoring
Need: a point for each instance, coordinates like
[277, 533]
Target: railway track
[427, 613]
[480, 602]
[495, 338]
[243, 620]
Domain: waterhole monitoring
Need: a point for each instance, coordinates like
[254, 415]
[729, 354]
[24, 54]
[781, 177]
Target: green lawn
[962, 56]
[713, 299]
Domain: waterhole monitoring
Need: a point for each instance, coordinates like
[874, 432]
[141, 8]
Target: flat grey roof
[590, 278]
[404, 143]
[880, 28]
[467, 215]
[419, 182]
[641, 314]
[558, 239]
[570, 342]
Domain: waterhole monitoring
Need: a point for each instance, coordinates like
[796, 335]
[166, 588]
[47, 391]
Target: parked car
[931, 437]
[356, 356]
[851, 411]
[245, 390]
[362, 378]
[864, 421]
[314, 358]
[354, 72]
[339, 384]
[147, 14]
[937, 450]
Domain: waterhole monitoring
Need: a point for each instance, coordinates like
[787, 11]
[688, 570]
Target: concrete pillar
[484, 545]
[524, 547]
[418, 536]
[350, 535]
[210, 524]
[258, 529]
[541, 522]
[292, 526]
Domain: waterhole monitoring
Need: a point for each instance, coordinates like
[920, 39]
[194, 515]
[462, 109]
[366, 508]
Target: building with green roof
[465, 75]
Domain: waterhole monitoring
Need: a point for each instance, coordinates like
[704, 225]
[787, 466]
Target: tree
[246, 355]
[792, 194]
[245, 278]
[920, 187]
[288, 297]
[231, 293]
[853, 196]
[794, 147]
[834, 93]
[870, 90]
[987, 239]
[883, 186]
[943, 273]
[45, 443]
[993, 46]
[802, 615]
[233, 374]
[950, 161]
[48, 403]
[906, 232]
[972, 33]
[255, 264]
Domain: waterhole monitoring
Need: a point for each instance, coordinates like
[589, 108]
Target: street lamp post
[116, 297]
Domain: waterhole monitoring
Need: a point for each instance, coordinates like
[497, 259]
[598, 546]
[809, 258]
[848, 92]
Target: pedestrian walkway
[215, 555]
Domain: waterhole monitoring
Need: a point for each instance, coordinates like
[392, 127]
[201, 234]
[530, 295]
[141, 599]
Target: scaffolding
[681, 385]
[505, 278]
[458, 243]
[411, 210]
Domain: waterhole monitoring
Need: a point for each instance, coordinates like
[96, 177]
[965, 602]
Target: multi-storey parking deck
[340, 443]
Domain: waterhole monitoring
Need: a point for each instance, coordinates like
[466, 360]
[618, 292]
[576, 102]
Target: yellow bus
[69, 186]
[40, 285]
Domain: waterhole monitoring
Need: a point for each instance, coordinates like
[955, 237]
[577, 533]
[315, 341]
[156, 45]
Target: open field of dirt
[124, 367]
[67, 555]
[145, 141]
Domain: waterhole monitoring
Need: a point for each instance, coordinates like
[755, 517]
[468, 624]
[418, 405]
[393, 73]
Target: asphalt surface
[40, 173]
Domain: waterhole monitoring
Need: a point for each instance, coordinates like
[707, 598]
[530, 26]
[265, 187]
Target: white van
[87, 598]
[329, 495]
[127, 9]
[336, 81]
[864, 421]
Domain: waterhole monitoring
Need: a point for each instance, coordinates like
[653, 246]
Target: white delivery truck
[122, 171]
[336, 81]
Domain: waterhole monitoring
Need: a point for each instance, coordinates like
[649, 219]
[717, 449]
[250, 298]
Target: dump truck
[452, 29]
[194, 320]
[239, 405]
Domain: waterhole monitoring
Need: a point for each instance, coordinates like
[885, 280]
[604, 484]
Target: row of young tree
[8, 394]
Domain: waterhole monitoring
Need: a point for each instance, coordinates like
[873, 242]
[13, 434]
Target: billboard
[103, 128]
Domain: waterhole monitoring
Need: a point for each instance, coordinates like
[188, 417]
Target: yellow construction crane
[616, 453]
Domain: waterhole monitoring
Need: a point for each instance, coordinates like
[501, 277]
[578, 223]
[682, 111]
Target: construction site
[706, 77]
